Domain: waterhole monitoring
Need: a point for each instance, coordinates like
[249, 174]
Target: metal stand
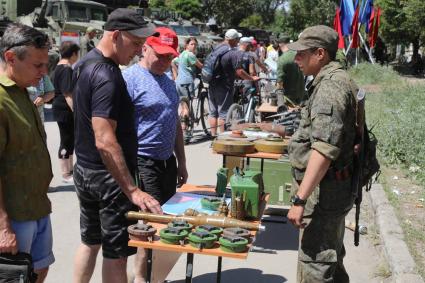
[189, 268]
[220, 259]
[148, 265]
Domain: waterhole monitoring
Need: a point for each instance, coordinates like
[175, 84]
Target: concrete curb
[402, 265]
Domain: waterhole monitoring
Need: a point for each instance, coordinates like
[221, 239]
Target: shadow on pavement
[62, 188]
[278, 236]
[199, 138]
[246, 275]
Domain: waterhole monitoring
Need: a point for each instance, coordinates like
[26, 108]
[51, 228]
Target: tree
[188, 9]
[266, 9]
[253, 21]
[302, 14]
[403, 22]
[228, 12]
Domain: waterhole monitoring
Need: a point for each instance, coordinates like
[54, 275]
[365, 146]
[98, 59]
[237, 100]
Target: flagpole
[369, 51]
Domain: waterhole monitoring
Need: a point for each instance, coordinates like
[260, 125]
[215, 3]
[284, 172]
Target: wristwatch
[296, 200]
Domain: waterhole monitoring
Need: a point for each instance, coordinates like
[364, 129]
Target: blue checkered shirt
[156, 102]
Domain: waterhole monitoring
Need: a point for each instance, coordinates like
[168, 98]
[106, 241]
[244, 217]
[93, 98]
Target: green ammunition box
[277, 179]
[250, 185]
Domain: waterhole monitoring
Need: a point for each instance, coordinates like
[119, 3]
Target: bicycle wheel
[203, 101]
[234, 115]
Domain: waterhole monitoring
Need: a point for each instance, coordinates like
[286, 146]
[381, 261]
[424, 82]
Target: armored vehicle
[67, 16]
[59, 19]
[185, 29]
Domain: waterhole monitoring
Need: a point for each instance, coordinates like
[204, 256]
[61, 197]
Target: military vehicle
[59, 19]
[67, 16]
[185, 29]
[54, 17]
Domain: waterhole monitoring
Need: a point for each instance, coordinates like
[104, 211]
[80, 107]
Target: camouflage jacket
[327, 120]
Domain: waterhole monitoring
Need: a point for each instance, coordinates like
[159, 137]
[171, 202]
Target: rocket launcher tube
[219, 221]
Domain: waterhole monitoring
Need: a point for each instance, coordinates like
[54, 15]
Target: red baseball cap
[164, 41]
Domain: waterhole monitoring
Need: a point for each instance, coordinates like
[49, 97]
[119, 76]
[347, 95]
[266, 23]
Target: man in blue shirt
[159, 131]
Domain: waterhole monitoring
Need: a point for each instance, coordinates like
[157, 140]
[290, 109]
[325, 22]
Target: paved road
[361, 262]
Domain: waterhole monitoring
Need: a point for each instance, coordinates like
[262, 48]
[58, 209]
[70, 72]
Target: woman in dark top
[62, 107]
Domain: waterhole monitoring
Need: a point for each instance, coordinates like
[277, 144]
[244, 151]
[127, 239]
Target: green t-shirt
[291, 76]
[25, 167]
[186, 70]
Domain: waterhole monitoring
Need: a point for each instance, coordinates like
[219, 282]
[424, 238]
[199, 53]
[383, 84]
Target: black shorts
[102, 212]
[158, 177]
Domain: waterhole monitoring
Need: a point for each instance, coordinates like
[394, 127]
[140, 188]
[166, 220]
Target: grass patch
[383, 270]
[397, 112]
[397, 109]
[366, 74]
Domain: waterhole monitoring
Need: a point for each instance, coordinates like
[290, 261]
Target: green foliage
[402, 21]
[367, 74]
[253, 21]
[304, 13]
[232, 13]
[157, 3]
[397, 110]
[229, 12]
[188, 9]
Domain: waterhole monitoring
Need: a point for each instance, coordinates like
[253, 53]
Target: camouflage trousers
[321, 249]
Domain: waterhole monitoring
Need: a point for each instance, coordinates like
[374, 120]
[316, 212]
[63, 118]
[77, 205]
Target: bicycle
[243, 110]
[197, 103]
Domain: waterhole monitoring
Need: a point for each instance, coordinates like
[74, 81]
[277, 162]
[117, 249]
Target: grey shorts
[102, 212]
[220, 97]
[182, 89]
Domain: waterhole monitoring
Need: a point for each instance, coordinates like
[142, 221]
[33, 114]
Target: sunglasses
[40, 41]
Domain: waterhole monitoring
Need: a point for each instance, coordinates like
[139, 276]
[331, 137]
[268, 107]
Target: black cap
[129, 20]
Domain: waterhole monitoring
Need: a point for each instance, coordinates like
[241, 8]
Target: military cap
[316, 37]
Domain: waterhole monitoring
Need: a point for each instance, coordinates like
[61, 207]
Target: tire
[189, 120]
[251, 118]
[234, 114]
[204, 112]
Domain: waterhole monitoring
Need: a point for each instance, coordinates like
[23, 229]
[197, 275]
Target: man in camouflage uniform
[321, 154]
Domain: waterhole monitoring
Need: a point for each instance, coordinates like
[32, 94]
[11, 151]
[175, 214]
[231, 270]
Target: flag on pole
[346, 15]
[366, 11]
[355, 30]
[376, 27]
[337, 28]
[369, 26]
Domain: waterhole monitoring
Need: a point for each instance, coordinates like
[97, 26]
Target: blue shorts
[220, 99]
[35, 238]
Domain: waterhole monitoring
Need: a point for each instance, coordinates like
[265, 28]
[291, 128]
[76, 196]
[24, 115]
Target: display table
[259, 155]
[156, 244]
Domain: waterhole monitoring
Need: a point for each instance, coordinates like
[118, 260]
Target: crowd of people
[120, 167]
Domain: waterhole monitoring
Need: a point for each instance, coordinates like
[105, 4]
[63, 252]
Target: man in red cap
[159, 133]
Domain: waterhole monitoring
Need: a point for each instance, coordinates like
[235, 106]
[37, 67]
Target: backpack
[212, 65]
[17, 268]
[370, 164]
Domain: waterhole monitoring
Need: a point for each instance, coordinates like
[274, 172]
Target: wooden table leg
[149, 265]
[189, 268]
